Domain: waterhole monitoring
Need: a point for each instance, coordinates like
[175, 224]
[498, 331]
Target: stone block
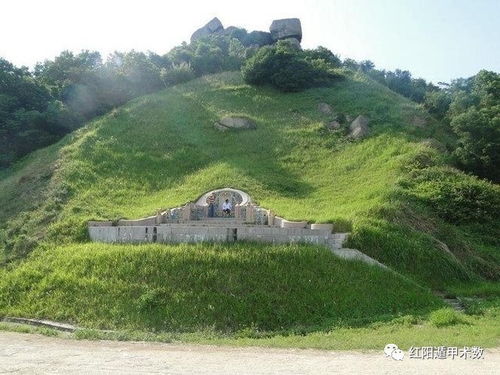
[293, 224]
[322, 227]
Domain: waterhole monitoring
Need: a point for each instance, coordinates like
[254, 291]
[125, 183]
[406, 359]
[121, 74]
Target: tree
[366, 66]
[437, 102]
[478, 148]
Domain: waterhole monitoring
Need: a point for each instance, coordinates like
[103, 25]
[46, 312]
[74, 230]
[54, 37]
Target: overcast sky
[435, 39]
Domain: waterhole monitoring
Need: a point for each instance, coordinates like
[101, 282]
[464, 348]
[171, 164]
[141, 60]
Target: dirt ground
[36, 354]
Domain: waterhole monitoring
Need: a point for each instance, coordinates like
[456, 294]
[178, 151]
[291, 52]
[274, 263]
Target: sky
[438, 40]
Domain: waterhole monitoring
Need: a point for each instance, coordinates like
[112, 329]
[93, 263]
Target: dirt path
[35, 354]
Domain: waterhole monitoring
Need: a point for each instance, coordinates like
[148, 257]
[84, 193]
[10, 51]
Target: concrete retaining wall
[176, 233]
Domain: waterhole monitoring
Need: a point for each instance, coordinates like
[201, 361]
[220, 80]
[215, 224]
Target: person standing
[211, 205]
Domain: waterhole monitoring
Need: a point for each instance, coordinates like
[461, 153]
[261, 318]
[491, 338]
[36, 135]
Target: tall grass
[287, 288]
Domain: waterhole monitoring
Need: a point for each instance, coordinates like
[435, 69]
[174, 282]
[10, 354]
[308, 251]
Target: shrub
[287, 68]
[455, 196]
[446, 317]
[178, 74]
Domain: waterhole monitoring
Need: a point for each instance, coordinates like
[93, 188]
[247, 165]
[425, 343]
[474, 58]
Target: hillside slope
[162, 150]
[196, 287]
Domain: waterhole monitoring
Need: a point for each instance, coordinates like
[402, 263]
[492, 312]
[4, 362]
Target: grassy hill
[195, 287]
[162, 150]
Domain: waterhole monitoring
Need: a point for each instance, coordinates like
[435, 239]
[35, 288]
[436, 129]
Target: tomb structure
[203, 220]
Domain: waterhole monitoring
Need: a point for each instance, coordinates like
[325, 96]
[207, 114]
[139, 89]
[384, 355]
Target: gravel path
[36, 354]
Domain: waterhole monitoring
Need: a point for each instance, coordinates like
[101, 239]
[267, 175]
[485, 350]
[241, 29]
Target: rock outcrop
[324, 108]
[286, 28]
[212, 27]
[359, 127]
[235, 122]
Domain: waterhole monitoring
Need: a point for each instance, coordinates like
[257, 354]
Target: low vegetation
[197, 287]
[481, 329]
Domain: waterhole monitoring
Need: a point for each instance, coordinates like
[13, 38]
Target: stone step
[335, 245]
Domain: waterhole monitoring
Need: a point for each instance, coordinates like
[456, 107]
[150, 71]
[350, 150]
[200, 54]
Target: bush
[287, 69]
[178, 74]
[446, 317]
[455, 196]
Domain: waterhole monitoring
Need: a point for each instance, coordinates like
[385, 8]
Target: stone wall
[177, 233]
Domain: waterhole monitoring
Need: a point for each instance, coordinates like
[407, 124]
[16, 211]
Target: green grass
[162, 150]
[479, 330]
[188, 288]
[447, 317]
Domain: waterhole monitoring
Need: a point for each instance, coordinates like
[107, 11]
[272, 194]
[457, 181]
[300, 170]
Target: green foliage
[437, 103]
[178, 74]
[478, 148]
[474, 115]
[322, 53]
[212, 54]
[288, 69]
[455, 196]
[29, 118]
[196, 287]
[447, 317]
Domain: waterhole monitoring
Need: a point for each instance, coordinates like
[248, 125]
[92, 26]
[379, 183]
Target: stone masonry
[204, 221]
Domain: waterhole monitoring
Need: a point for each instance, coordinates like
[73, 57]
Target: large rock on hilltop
[235, 122]
[359, 127]
[286, 28]
[214, 26]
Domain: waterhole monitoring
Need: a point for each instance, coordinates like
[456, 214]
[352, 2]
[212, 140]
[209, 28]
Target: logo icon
[392, 350]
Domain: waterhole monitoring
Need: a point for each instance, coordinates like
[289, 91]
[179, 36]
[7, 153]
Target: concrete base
[213, 231]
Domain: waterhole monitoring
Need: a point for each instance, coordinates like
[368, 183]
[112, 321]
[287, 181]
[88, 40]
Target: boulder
[212, 27]
[235, 122]
[324, 108]
[286, 28]
[359, 127]
[333, 125]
